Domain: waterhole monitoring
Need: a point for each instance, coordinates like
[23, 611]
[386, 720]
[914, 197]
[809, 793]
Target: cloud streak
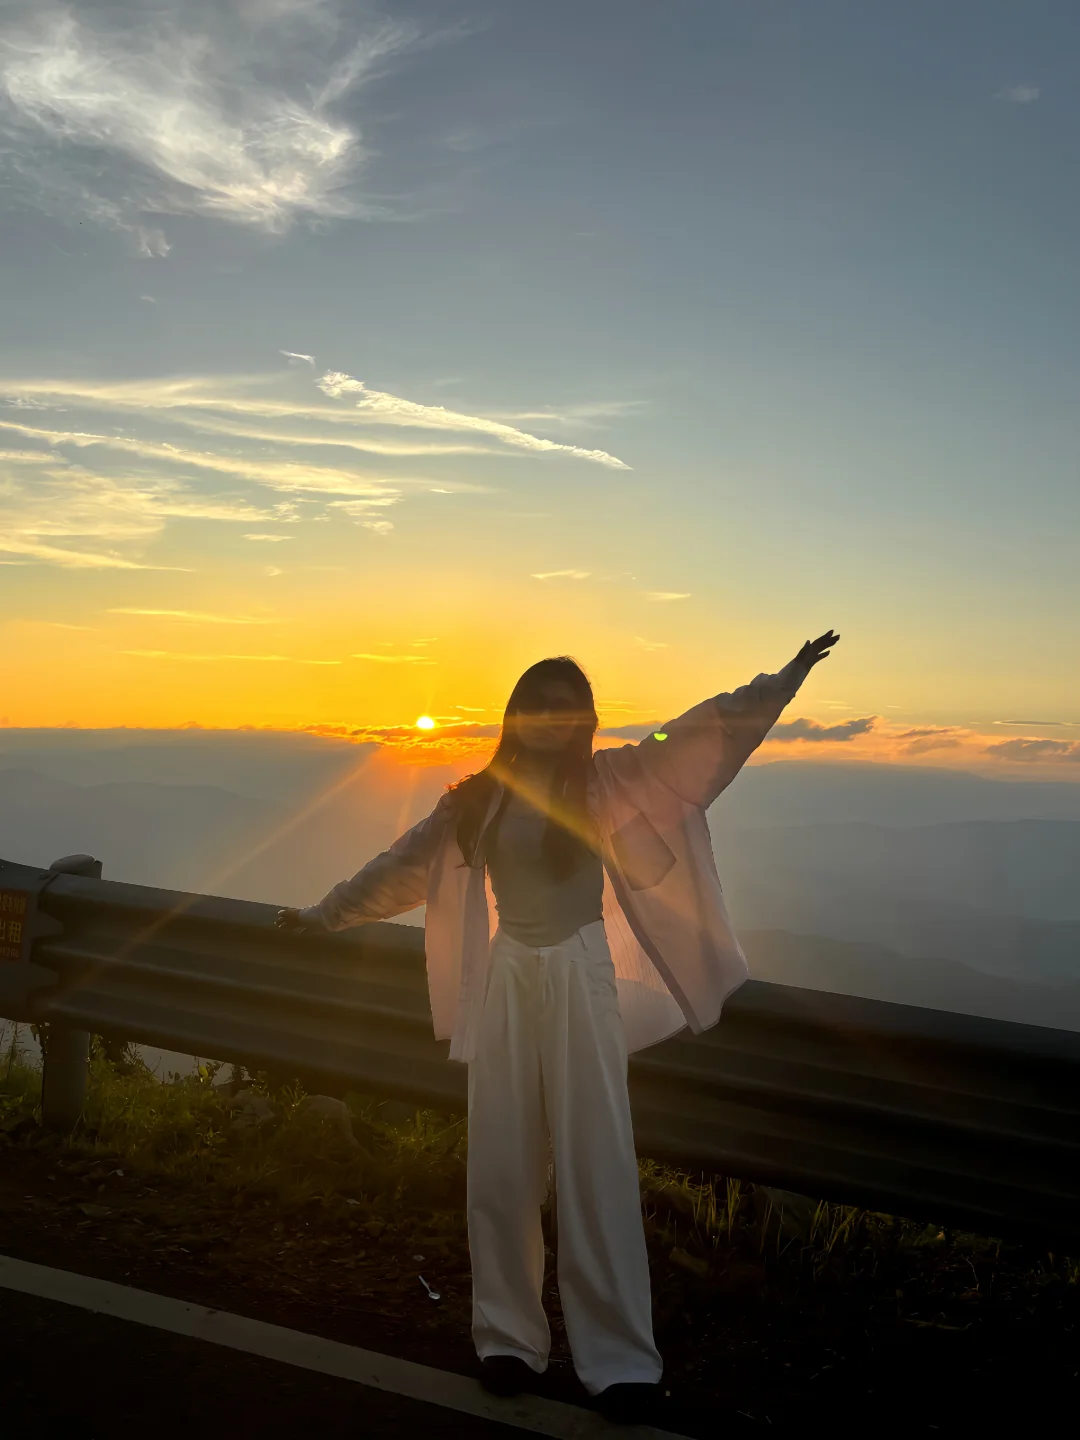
[52, 502]
[105, 459]
[197, 616]
[177, 655]
[237, 396]
[287, 475]
[73, 559]
[804, 729]
[394, 410]
[1066, 724]
[1028, 751]
[208, 107]
[1019, 94]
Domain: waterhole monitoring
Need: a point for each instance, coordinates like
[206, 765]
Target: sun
[425, 722]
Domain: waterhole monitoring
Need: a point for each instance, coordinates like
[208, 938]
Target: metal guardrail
[963, 1121]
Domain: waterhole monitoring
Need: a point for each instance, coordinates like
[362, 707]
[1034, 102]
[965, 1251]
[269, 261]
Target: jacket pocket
[641, 853]
[597, 965]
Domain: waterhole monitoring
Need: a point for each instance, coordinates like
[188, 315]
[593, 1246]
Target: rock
[321, 1128]
[685, 1261]
[398, 1112]
[325, 1111]
[252, 1110]
[19, 1128]
[670, 1198]
[794, 1213]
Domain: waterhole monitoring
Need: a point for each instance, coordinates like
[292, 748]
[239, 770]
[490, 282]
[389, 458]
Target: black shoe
[504, 1375]
[632, 1403]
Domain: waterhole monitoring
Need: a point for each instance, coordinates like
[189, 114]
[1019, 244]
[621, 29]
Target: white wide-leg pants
[551, 1059]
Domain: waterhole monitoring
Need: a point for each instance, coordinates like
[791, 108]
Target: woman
[611, 935]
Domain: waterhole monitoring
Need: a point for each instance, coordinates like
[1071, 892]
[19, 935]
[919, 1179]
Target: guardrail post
[66, 1054]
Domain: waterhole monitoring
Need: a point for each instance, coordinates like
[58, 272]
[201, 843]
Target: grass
[189, 1129]
[761, 1297]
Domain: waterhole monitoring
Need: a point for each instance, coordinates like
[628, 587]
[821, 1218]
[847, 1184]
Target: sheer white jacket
[676, 956]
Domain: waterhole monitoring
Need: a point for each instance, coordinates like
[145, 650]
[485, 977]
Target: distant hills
[1001, 897]
[1010, 867]
[804, 792]
[814, 962]
[925, 886]
[178, 836]
[209, 839]
[289, 766]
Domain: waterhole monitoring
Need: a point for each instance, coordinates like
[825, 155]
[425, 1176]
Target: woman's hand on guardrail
[290, 920]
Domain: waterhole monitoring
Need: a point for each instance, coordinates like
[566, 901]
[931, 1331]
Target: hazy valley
[926, 887]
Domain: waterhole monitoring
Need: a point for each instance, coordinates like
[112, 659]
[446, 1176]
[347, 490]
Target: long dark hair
[568, 828]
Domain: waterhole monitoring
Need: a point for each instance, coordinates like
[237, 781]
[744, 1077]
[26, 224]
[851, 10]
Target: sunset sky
[352, 359]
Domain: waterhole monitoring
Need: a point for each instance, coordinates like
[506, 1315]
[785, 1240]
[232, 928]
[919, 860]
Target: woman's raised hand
[819, 649]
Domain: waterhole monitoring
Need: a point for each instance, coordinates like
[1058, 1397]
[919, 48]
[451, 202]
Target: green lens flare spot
[659, 735]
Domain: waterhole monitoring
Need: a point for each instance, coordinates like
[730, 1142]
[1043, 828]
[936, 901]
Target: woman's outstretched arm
[700, 753]
[388, 885]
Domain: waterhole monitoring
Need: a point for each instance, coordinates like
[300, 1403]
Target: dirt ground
[928, 1338]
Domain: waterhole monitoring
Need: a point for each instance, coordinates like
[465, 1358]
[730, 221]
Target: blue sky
[807, 270]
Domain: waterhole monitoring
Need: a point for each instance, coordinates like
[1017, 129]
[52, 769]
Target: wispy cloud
[41, 505]
[26, 457]
[58, 625]
[294, 355]
[1019, 94]
[366, 444]
[877, 741]
[586, 414]
[664, 595]
[650, 645]
[262, 659]
[284, 475]
[446, 745]
[192, 400]
[561, 575]
[924, 739]
[396, 659]
[105, 459]
[803, 729]
[1028, 751]
[73, 559]
[393, 409]
[223, 108]
[200, 617]
[355, 509]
